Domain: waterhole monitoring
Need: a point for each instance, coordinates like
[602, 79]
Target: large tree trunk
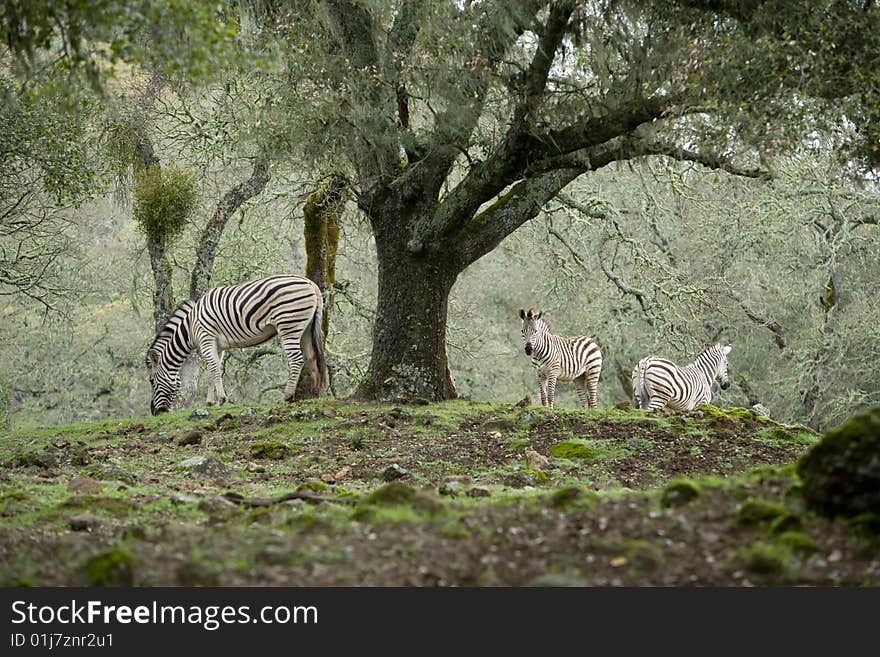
[409, 335]
[163, 294]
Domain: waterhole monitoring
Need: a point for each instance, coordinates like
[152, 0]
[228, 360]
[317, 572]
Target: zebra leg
[581, 390]
[209, 351]
[593, 387]
[295, 360]
[551, 390]
[542, 386]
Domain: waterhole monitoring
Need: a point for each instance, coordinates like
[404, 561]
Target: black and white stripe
[658, 382]
[556, 358]
[236, 316]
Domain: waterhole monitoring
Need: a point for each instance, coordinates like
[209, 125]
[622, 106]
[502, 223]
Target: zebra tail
[642, 387]
[317, 333]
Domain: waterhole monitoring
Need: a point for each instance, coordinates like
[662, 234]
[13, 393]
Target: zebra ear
[522, 313]
[726, 349]
[538, 316]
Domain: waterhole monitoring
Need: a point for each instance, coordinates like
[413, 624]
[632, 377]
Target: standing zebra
[555, 358]
[236, 316]
[658, 382]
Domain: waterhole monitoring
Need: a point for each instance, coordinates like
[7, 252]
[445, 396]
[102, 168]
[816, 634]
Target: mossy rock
[757, 511]
[269, 450]
[398, 493]
[841, 474]
[113, 568]
[763, 559]
[314, 485]
[573, 449]
[679, 492]
[787, 522]
[566, 497]
[733, 415]
[797, 542]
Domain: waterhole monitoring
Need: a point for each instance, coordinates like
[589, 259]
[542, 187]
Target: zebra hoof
[288, 397]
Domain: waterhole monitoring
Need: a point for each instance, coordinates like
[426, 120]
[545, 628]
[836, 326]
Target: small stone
[216, 506]
[760, 409]
[537, 461]
[255, 467]
[84, 522]
[207, 466]
[519, 480]
[393, 472]
[476, 491]
[113, 472]
[224, 418]
[528, 419]
[183, 498]
[342, 473]
[449, 488]
[199, 414]
[85, 485]
[191, 437]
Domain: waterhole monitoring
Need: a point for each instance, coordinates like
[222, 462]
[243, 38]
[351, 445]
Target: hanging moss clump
[841, 474]
[164, 200]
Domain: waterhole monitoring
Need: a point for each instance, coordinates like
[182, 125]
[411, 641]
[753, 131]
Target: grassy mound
[620, 497]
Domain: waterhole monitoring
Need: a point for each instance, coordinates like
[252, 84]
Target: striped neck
[707, 364]
[174, 342]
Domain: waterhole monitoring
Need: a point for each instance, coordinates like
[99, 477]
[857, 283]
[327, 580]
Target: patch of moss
[273, 450]
[519, 443]
[797, 542]
[757, 511]
[644, 556]
[314, 485]
[566, 497]
[573, 449]
[112, 568]
[540, 476]
[397, 493]
[735, 413]
[787, 522]
[115, 506]
[841, 474]
[763, 559]
[679, 492]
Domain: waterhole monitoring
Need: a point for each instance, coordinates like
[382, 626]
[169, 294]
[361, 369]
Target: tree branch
[200, 279]
[522, 203]
[772, 325]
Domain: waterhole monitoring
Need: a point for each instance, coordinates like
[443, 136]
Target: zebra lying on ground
[236, 316]
[555, 358]
[658, 382]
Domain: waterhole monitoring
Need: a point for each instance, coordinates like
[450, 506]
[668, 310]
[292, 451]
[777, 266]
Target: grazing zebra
[658, 382]
[555, 358]
[235, 316]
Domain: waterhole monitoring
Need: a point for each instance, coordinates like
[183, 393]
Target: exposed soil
[122, 503]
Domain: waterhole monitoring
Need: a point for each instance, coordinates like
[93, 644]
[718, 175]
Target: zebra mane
[532, 312]
[173, 322]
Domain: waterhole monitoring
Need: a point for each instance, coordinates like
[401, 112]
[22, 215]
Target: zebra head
[532, 327]
[164, 381]
[721, 373]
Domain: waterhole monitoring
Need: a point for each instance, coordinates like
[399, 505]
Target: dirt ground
[451, 494]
